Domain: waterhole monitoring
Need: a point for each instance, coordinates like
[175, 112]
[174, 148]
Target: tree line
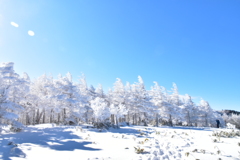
[60, 100]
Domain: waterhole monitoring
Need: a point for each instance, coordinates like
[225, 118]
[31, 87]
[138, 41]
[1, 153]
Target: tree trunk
[33, 121]
[136, 119]
[116, 120]
[206, 121]
[59, 118]
[112, 118]
[27, 119]
[51, 116]
[37, 116]
[170, 120]
[64, 114]
[156, 119]
[133, 119]
[86, 118]
[139, 120]
[44, 116]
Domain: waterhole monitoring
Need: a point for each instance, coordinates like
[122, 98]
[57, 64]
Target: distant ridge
[229, 112]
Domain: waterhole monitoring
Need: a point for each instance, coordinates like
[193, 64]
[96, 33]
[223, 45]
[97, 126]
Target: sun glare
[31, 33]
[14, 24]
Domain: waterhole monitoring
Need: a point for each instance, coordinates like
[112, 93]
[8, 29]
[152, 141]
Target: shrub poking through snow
[227, 134]
[157, 133]
[138, 150]
[218, 150]
[142, 133]
[15, 129]
[12, 143]
[187, 154]
[203, 151]
[101, 125]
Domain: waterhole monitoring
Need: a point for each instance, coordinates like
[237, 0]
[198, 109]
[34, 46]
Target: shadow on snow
[54, 138]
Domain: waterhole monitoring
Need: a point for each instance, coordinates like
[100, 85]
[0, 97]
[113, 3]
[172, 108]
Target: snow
[49, 141]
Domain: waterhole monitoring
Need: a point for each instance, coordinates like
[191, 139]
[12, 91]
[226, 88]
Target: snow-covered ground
[50, 142]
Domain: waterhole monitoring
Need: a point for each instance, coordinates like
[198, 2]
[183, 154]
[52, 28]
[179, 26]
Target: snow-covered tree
[9, 100]
[41, 98]
[119, 111]
[99, 91]
[100, 109]
[70, 99]
[140, 102]
[233, 119]
[87, 95]
[189, 111]
[117, 99]
[206, 113]
[49, 100]
[174, 98]
[157, 99]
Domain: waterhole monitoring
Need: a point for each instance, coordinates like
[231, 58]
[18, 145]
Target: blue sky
[195, 44]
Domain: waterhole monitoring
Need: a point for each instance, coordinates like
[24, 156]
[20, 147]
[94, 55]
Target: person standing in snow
[218, 123]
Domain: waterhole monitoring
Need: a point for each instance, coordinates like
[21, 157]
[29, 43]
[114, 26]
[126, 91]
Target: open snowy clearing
[48, 141]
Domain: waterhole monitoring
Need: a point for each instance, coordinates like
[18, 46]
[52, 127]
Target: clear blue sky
[194, 43]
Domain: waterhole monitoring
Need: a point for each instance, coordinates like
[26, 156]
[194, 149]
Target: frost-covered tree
[206, 113]
[174, 98]
[189, 111]
[233, 119]
[118, 111]
[118, 94]
[99, 91]
[169, 110]
[41, 99]
[100, 109]
[9, 100]
[70, 99]
[140, 102]
[60, 100]
[157, 99]
[21, 95]
[117, 99]
[87, 94]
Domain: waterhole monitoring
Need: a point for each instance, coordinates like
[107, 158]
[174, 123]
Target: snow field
[49, 141]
